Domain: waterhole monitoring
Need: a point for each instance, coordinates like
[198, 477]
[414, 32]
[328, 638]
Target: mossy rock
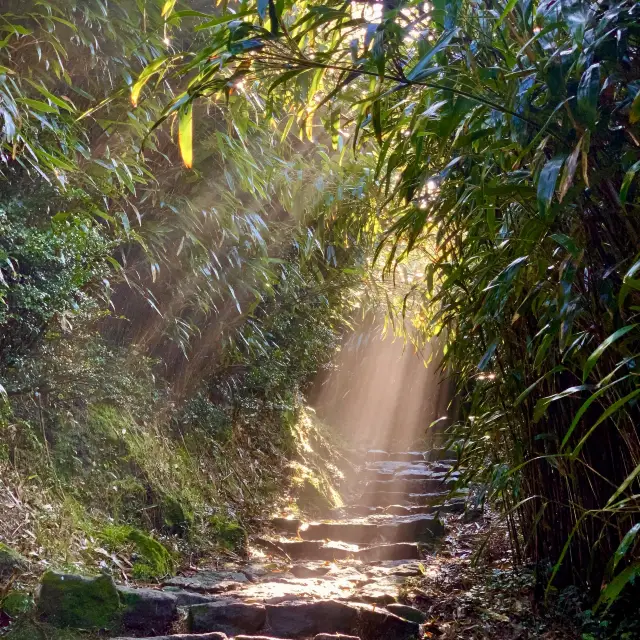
[77, 601]
[228, 534]
[16, 603]
[11, 561]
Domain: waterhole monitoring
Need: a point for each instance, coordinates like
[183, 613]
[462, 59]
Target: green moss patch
[78, 602]
[228, 534]
[155, 560]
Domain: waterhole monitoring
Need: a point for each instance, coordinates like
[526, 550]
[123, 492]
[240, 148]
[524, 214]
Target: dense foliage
[506, 143]
[157, 324]
[497, 158]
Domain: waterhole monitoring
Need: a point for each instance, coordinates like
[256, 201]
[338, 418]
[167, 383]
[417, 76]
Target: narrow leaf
[587, 94]
[185, 134]
[547, 183]
[593, 358]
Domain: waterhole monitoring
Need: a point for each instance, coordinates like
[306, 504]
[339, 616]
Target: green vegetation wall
[505, 148]
[157, 323]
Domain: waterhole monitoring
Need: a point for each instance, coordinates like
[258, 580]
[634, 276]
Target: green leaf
[442, 43]
[634, 112]
[38, 105]
[144, 77]
[507, 10]
[628, 179]
[566, 242]
[569, 171]
[628, 539]
[229, 17]
[607, 414]
[482, 365]
[615, 587]
[185, 134]
[543, 404]
[593, 358]
[587, 95]
[547, 182]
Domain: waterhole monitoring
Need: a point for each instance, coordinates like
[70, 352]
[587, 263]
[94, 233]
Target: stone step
[330, 551]
[407, 485]
[302, 619]
[286, 525]
[441, 454]
[388, 498]
[407, 456]
[412, 528]
[208, 581]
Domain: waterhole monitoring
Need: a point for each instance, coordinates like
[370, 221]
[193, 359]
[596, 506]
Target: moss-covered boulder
[16, 603]
[11, 562]
[78, 602]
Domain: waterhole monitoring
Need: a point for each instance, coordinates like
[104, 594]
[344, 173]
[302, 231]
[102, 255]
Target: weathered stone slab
[378, 624]
[76, 601]
[397, 529]
[208, 581]
[388, 498]
[398, 551]
[256, 638]
[286, 525]
[439, 454]
[230, 618]
[405, 485]
[316, 549]
[187, 598]
[382, 591]
[407, 612]
[407, 456]
[310, 570]
[302, 619]
[399, 510]
[147, 610]
[377, 454]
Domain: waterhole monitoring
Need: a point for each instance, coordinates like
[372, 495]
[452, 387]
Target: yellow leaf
[168, 7]
[185, 135]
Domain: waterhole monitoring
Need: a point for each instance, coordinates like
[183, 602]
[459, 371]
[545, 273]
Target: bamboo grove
[497, 147]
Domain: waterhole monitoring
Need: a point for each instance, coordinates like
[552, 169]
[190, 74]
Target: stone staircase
[337, 578]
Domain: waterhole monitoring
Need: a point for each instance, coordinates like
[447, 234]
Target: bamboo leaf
[634, 112]
[168, 7]
[442, 43]
[627, 541]
[616, 406]
[628, 179]
[587, 94]
[547, 183]
[615, 587]
[185, 134]
[592, 360]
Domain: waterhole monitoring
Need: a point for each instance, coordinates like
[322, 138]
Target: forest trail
[337, 578]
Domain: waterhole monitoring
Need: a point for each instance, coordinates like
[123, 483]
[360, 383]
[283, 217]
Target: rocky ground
[394, 564]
